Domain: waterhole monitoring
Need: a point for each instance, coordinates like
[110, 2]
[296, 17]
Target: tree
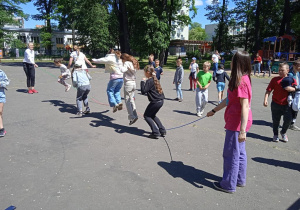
[47, 13]
[8, 10]
[285, 27]
[197, 32]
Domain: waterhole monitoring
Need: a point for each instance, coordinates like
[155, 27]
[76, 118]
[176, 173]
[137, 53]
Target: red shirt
[257, 59]
[279, 94]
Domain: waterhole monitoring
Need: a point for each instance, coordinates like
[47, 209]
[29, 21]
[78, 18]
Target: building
[181, 32]
[210, 31]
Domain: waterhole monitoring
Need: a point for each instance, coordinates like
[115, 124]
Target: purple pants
[235, 162]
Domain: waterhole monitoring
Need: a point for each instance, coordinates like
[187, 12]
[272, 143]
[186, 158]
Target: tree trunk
[257, 27]
[124, 32]
[285, 27]
[221, 28]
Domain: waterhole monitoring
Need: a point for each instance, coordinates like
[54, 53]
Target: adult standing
[29, 68]
[77, 55]
[238, 120]
[215, 59]
[257, 63]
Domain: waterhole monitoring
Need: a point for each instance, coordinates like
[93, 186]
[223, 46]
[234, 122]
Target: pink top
[232, 114]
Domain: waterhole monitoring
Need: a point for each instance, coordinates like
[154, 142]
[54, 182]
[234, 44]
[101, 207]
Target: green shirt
[203, 78]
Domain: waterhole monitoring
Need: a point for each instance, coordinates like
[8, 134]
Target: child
[151, 62]
[257, 63]
[203, 82]
[296, 69]
[81, 81]
[194, 71]
[112, 62]
[219, 77]
[268, 67]
[287, 82]
[279, 105]
[3, 83]
[238, 120]
[156, 97]
[129, 67]
[65, 73]
[158, 69]
[223, 61]
[178, 78]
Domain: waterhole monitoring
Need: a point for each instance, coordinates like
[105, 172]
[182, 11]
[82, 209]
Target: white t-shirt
[194, 67]
[215, 58]
[79, 56]
[29, 56]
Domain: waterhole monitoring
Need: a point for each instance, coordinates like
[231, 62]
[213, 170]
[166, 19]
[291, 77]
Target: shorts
[220, 86]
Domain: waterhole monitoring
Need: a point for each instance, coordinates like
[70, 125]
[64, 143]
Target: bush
[195, 53]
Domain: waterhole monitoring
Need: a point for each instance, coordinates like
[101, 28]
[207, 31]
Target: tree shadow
[262, 122]
[257, 136]
[22, 90]
[295, 206]
[184, 112]
[278, 163]
[195, 177]
[63, 107]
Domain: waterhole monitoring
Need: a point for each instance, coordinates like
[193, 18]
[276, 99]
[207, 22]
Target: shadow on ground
[184, 112]
[262, 122]
[22, 90]
[63, 107]
[278, 163]
[257, 136]
[195, 177]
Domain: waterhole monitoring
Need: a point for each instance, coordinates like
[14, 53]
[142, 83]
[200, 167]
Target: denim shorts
[220, 86]
[2, 96]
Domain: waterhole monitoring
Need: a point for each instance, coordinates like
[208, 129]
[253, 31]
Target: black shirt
[149, 88]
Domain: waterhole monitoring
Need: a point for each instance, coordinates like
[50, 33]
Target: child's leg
[117, 90]
[179, 91]
[231, 156]
[219, 96]
[85, 99]
[204, 99]
[149, 114]
[110, 93]
[195, 83]
[241, 180]
[191, 81]
[79, 96]
[129, 88]
[287, 119]
[1, 112]
[198, 100]
[276, 115]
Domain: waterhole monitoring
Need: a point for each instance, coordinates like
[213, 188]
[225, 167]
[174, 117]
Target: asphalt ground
[51, 159]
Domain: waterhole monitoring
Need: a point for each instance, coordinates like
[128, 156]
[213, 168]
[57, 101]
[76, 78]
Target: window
[70, 41]
[35, 39]
[59, 40]
[22, 38]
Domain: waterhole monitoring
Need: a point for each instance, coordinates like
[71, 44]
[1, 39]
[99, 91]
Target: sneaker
[275, 138]
[202, 112]
[115, 108]
[30, 92]
[190, 89]
[294, 127]
[133, 121]
[79, 114]
[241, 185]
[120, 106]
[152, 136]
[68, 88]
[34, 91]
[2, 132]
[176, 99]
[180, 100]
[217, 185]
[87, 110]
[163, 133]
[284, 137]
[199, 114]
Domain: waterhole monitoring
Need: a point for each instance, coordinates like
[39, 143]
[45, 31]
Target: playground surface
[51, 159]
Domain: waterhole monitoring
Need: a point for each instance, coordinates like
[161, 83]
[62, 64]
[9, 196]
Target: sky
[200, 18]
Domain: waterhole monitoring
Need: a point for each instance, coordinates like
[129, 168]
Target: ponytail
[157, 85]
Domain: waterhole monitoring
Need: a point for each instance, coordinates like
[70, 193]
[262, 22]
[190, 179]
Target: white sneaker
[294, 127]
[284, 137]
[202, 112]
[68, 88]
[199, 114]
[275, 138]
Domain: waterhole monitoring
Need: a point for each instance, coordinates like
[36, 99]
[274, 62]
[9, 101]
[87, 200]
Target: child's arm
[266, 98]
[199, 83]
[206, 86]
[74, 80]
[244, 119]
[217, 108]
[88, 62]
[227, 77]
[145, 86]
[181, 75]
[70, 62]
[5, 81]
[162, 72]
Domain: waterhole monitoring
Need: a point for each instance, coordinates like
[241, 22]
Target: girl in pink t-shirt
[238, 120]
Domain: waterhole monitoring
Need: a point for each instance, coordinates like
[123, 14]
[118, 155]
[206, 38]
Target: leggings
[150, 117]
[30, 73]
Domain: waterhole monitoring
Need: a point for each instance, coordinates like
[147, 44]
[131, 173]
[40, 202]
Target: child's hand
[173, 82]
[242, 137]
[265, 103]
[209, 114]
[144, 79]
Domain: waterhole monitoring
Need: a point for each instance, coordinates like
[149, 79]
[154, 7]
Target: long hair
[157, 85]
[127, 57]
[58, 60]
[240, 66]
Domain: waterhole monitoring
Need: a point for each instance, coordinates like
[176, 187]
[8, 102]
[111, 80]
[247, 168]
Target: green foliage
[191, 54]
[46, 39]
[197, 33]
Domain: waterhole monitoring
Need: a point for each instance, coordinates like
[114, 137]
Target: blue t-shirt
[151, 63]
[158, 72]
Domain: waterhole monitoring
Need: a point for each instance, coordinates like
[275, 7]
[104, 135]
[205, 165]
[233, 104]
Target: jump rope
[98, 102]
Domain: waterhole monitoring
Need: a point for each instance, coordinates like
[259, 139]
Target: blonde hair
[207, 63]
[284, 65]
[157, 85]
[151, 56]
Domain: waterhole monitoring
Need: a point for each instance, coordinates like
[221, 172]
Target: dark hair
[240, 66]
[58, 60]
[127, 57]
[157, 85]
[221, 66]
[297, 62]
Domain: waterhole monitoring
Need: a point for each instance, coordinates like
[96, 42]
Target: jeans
[153, 121]
[30, 74]
[215, 67]
[178, 90]
[277, 111]
[235, 162]
[82, 95]
[113, 91]
[129, 88]
[256, 67]
[201, 99]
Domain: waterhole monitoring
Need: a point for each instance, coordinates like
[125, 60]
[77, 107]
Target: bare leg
[1, 111]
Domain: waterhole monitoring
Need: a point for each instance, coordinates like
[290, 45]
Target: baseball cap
[194, 58]
[78, 63]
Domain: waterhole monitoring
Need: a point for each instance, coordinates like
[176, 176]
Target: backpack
[296, 102]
